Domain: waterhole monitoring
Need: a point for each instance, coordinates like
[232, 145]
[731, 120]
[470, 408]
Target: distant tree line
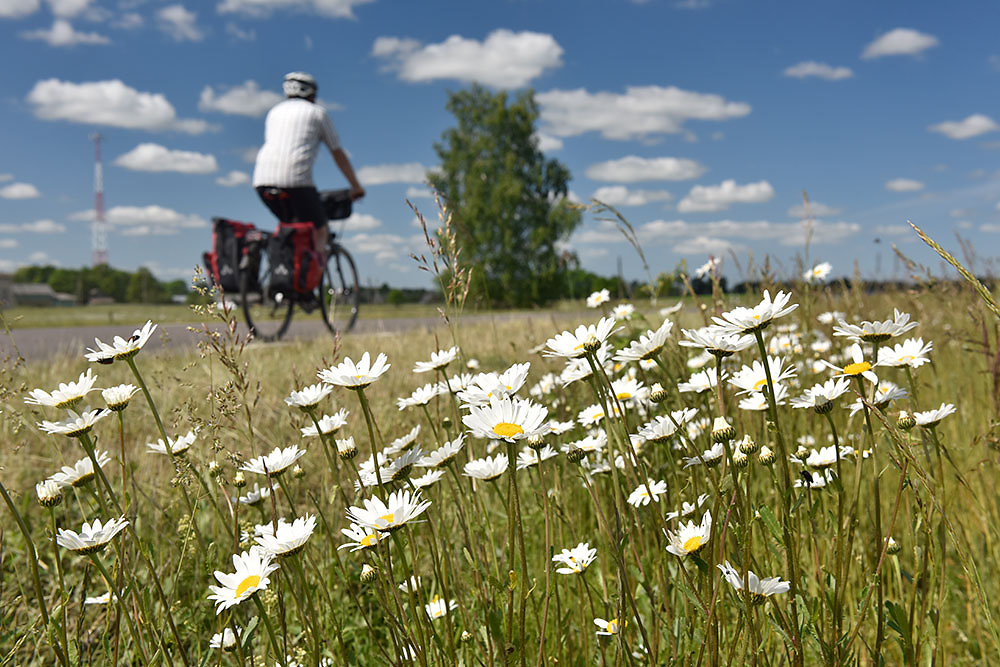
[139, 286]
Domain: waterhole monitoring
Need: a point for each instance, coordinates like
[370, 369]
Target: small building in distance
[31, 294]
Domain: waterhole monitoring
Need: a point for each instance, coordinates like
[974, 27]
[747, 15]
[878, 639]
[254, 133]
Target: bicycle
[269, 312]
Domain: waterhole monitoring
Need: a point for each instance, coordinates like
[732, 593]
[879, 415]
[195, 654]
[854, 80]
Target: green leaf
[772, 524]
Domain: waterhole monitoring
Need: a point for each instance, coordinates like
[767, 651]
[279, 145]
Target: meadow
[545, 492]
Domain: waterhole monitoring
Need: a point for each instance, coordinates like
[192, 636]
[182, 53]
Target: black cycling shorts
[294, 204]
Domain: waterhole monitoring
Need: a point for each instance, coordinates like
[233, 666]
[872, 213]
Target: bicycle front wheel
[268, 313]
[339, 290]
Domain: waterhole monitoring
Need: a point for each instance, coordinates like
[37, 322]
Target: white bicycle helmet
[299, 84]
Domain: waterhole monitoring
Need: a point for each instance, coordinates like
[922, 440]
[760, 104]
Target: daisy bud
[447, 423]
[747, 445]
[346, 449]
[766, 456]
[591, 344]
[722, 430]
[576, 455]
[368, 574]
[801, 452]
[740, 459]
[239, 480]
[824, 408]
[49, 493]
[905, 421]
[657, 393]
[298, 472]
[214, 469]
[466, 637]
[536, 441]
[893, 547]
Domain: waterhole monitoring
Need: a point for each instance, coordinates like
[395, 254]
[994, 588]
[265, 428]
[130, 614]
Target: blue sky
[702, 120]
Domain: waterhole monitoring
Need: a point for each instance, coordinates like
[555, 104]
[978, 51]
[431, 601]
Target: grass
[489, 545]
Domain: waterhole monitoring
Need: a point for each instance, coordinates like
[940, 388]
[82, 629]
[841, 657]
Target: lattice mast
[99, 230]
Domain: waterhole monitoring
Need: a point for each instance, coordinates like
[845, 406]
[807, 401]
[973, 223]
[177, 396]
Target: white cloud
[972, 126]
[719, 197]
[249, 154]
[707, 245]
[893, 230]
[899, 42]
[546, 142]
[816, 210]
[154, 157]
[631, 169]
[505, 59]
[640, 112]
[359, 222]
[904, 185]
[143, 220]
[15, 9]
[63, 34]
[8, 243]
[619, 195]
[338, 9]
[41, 257]
[67, 8]
[179, 23]
[821, 70]
[989, 227]
[128, 21]
[964, 224]
[108, 103]
[247, 99]
[239, 33]
[233, 179]
[6, 177]
[384, 247]
[36, 227]
[19, 191]
[785, 233]
[414, 192]
[411, 172]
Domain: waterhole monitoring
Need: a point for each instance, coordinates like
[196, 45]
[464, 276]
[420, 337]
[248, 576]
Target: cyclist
[282, 174]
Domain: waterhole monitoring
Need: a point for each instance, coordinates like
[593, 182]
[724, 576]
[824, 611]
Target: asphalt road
[46, 343]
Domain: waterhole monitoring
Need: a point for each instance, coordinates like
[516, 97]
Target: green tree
[507, 201]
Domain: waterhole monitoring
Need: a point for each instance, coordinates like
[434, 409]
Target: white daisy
[815, 480]
[700, 381]
[75, 425]
[529, 457]
[559, 428]
[687, 508]
[438, 608]
[817, 273]
[885, 393]
[609, 628]
[648, 346]
[716, 341]
[255, 495]
[708, 268]
[80, 472]
[690, 538]
[92, 537]
[911, 352]
[176, 447]
[589, 444]
[275, 463]
[663, 427]
[825, 457]
[486, 386]
[488, 468]
[858, 366]
[645, 492]
[403, 442]
[598, 298]
[580, 369]
[759, 589]
[931, 418]
[290, 538]
[439, 360]
[623, 311]
[421, 395]
[251, 575]
[117, 398]
[400, 508]
[98, 599]
[328, 425]
[309, 397]
[820, 396]
[67, 395]
[356, 376]
[875, 331]
[757, 401]
[575, 560]
[754, 378]
[708, 457]
[427, 479]
[226, 640]
[48, 492]
[573, 344]
[443, 455]
[742, 320]
[121, 349]
[830, 317]
[362, 537]
[508, 419]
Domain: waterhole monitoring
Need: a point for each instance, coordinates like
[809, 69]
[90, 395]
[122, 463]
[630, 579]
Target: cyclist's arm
[344, 163]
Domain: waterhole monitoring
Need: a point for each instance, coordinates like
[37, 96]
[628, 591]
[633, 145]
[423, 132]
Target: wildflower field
[534, 493]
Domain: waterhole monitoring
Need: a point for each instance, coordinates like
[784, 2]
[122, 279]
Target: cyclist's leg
[276, 200]
[308, 207]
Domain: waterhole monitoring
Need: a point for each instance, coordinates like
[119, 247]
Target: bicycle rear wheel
[339, 290]
[267, 313]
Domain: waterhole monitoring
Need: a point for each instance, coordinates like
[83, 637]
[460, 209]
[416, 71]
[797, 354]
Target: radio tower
[99, 230]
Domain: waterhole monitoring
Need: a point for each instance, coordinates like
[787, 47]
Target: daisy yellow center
[507, 430]
[692, 543]
[387, 518]
[613, 625]
[907, 358]
[369, 540]
[857, 368]
[246, 584]
[622, 395]
[760, 384]
[357, 377]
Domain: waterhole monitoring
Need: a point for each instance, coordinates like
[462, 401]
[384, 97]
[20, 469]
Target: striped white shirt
[293, 131]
